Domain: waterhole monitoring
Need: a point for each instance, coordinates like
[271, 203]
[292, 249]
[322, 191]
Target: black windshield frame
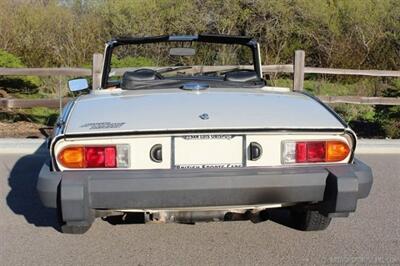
[207, 38]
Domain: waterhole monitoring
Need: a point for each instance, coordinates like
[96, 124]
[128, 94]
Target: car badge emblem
[204, 116]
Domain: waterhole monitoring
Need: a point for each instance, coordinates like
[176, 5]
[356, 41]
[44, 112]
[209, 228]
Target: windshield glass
[176, 60]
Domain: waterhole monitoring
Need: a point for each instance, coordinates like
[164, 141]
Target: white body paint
[201, 152]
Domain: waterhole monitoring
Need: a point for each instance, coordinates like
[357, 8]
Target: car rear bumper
[336, 188]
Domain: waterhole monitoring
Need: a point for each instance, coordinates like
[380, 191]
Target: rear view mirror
[182, 51]
[78, 85]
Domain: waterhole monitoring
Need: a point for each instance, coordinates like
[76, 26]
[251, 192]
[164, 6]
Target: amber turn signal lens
[336, 151]
[72, 157]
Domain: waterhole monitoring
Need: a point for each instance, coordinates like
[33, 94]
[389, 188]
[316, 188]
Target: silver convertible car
[180, 131]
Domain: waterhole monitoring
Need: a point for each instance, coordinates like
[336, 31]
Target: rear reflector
[112, 156]
[314, 151]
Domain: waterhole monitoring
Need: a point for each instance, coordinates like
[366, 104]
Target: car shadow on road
[23, 198]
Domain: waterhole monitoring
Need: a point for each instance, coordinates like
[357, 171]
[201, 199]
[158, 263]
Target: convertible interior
[139, 78]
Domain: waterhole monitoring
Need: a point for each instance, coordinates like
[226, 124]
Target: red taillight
[301, 152]
[110, 159]
[99, 157]
[111, 156]
[315, 151]
[310, 151]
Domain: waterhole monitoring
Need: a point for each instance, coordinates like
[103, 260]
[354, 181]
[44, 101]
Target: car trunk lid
[213, 109]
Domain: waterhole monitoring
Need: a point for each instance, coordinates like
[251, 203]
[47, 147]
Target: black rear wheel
[74, 229]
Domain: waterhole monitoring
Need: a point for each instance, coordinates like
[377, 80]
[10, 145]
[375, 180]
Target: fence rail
[85, 72]
[360, 100]
[7, 103]
[63, 71]
[298, 69]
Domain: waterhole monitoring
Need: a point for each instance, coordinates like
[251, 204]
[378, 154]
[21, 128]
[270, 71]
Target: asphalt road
[27, 234]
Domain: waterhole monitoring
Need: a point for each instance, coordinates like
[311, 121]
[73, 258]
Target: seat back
[129, 77]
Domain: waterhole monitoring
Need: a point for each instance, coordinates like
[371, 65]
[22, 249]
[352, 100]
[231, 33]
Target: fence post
[298, 77]
[60, 96]
[4, 103]
[96, 70]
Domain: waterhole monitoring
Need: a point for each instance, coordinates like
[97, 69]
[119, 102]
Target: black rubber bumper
[336, 187]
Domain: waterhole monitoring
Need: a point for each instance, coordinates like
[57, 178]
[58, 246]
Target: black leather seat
[130, 77]
[241, 76]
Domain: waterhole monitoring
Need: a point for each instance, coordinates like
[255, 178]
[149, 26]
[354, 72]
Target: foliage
[352, 112]
[357, 87]
[334, 33]
[359, 34]
[366, 120]
[16, 84]
[9, 60]
[130, 61]
[39, 115]
[389, 116]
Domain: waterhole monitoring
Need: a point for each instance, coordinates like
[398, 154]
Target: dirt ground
[20, 130]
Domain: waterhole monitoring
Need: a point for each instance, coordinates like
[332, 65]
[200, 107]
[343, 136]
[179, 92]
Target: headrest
[129, 77]
[140, 74]
[241, 76]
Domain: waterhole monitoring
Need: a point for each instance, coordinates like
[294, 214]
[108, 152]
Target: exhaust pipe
[186, 217]
[191, 217]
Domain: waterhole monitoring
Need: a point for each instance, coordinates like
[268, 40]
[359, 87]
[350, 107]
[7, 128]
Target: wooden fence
[298, 69]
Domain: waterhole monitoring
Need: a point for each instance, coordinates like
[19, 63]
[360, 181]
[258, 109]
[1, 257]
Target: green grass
[39, 115]
[364, 87]
[42, 115]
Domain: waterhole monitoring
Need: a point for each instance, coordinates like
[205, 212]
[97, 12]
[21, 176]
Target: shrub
[16, 84]
[389, 116]
[130, 61]
[352, 112]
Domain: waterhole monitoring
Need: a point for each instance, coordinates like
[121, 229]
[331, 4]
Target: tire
[74, 229]
[310, 220]
[64, 227]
